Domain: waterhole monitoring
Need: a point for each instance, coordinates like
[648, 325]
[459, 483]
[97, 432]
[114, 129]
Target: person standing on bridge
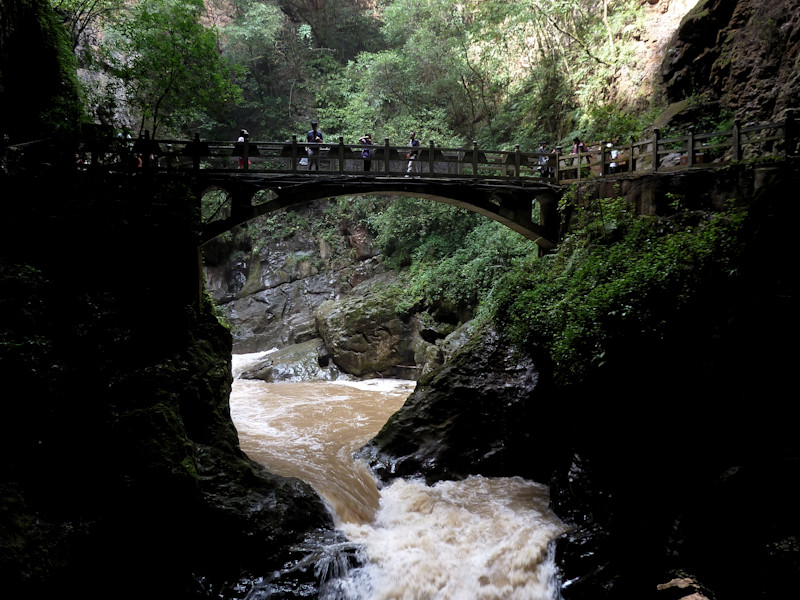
[314, 137]
[542, 160]
[367, 151]
[613, 166]
[412, 155]
[243, 136]
[578, 146]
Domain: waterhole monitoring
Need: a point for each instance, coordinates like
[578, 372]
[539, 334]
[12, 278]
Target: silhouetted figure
[315, 138]
[243, 137]
[412, 156]
[368, 151]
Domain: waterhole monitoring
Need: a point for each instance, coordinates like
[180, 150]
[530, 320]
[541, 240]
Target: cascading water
[480, 538]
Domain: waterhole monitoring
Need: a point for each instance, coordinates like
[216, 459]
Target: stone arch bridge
[506, 186]
[528, 206]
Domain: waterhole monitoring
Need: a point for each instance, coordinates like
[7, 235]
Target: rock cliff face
[268, 286]
[480, 413]
[743, 55]
[282, 291]
[672, 461]
[120, 469]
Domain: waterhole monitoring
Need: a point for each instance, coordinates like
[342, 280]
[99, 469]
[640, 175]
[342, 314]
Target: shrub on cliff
[615, 278]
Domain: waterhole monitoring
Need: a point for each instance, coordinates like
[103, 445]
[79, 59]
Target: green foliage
[278, 225]
[359, 209]
[252, 43]
[79, 16]
[215, 204]
[494, 72]
[467, 276]
[454, 257]
[380, 94]
[538, 109]
[168, 64]
[607, 123]
[443, 69]
[415, 228]
[609, 278]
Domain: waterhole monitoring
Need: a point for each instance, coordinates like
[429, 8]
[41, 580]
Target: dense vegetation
[488, 70]
[497, 72]
[618, 278]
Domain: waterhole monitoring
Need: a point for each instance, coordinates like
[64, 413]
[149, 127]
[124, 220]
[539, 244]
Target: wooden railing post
[790, 133]
[386, 155]
[517, 161]
[631, 161]
[602, 159]
[196, 152]
[430, 158]
[737, 141]
[690, 147]
[294, 154]
[655, 150]
[557, 170]
[474, 158]
[341, 154]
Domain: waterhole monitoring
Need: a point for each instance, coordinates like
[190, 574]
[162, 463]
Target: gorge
[672, 456]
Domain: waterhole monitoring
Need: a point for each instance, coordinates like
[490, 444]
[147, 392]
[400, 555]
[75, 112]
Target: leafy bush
[454, 257]
[415, 229]
[617, 277]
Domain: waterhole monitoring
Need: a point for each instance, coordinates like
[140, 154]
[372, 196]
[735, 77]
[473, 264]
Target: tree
[168, 63]
[252, 40]
[341, 26]
[79, 15]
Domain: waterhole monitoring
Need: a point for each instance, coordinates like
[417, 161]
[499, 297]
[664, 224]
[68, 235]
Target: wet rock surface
[121, 468]
[479, 413]
[268, 291]
[366, 337]
[308, 361]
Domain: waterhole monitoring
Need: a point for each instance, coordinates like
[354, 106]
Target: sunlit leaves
[168, 62]
[256, 30]
[501, 72]
[379, 94]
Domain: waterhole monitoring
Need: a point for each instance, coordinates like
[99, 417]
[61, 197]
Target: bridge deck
[276, 179]
[601, 159]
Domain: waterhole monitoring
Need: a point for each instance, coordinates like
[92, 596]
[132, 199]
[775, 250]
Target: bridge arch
[509, 205]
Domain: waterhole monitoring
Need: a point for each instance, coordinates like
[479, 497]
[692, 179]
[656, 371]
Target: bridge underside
[509, 203]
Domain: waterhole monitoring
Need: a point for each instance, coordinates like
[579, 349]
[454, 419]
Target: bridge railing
[339, 157]
[602, 159]
[659, 154]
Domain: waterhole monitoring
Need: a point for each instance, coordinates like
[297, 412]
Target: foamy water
[477, 539]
